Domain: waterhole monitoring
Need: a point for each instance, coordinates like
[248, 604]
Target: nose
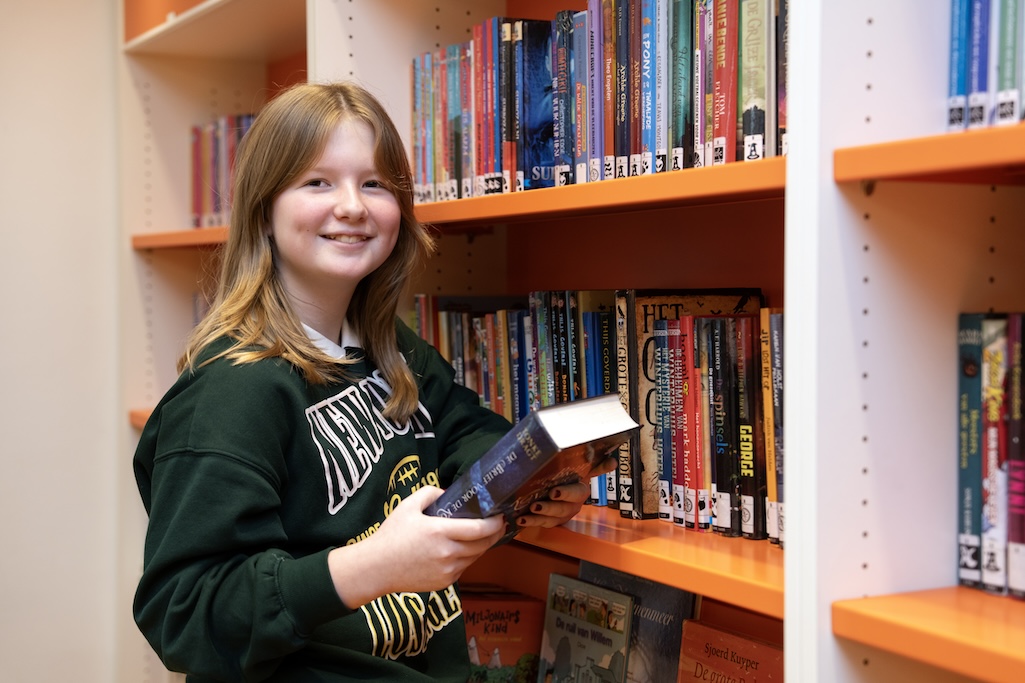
[349, 204]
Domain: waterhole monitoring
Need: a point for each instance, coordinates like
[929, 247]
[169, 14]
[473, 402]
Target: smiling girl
[286, 472]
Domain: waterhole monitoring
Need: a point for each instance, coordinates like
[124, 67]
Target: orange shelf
[960, 629]
[257, 30]
[179, 239]
[717, 184]
[988, 156]
[736, 571]
[138, 417]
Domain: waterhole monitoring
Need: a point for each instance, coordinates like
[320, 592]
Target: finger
[572, 493]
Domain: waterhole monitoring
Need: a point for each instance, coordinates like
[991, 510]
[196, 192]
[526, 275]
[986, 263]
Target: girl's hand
[563, 502]
[411, 552]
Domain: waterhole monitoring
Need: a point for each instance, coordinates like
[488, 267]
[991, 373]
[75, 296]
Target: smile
[347, 239]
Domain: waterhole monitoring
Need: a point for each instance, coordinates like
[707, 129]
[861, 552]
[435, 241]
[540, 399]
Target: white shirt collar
[349, 340]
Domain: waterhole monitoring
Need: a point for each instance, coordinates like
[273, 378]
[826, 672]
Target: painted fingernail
[536, 507]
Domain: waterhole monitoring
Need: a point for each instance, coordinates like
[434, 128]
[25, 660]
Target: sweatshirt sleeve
[464, 428]
[216, 598]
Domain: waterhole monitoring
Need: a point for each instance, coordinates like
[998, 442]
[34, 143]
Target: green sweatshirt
[250, 475]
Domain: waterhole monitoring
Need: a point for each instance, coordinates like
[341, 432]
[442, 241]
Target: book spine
[663, 423]
[724, 426]
[574, 345]
[782, 53]
[978, 65]
[503, 363]
[765, 347]
[1015, 461]
[636, 21]
[519, 182]
[415, 111]
[698, 104]
[681, 79]
[969, 532]
[562, 29]
[724, 109]
[455, 121]
[608, 51]
[610, 385]
[758, 96]
[679, 374]
[479, 167]
[957, 92]
[497, 104]
[538, 111]
[514, 320]
[506, 70]
[750, 445]
[622, 80]
[686, 425]
[557, 314]
[468, 170]
[595, 92]
[1008, 88]
[778, 435]
[579, 87]
[662, 89]
[994, 454]
[703, 456]
[647, 66]
[530, 349]
[624, 499]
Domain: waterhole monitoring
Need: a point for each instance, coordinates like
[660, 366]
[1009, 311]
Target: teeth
[347, 239]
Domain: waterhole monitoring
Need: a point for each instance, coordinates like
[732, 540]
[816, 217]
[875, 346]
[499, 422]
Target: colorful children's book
[659, 612]
[586, 634]
[503, 632]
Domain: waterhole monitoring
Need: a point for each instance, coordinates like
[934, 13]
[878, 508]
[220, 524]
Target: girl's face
[336, 223]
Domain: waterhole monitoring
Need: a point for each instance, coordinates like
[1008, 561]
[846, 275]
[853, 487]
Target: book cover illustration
[659, 612]
[555, 445]
[713, 654]
[586, 633]
[503, 633]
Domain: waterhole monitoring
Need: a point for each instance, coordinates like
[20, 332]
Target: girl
[286, 472]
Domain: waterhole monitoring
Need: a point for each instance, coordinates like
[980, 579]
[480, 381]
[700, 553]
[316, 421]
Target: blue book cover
[648, 142]
[978, 65]
[555, 445]
[663, 420]
[659, 611]
[957, 94]
[579, 88]
[536, 122]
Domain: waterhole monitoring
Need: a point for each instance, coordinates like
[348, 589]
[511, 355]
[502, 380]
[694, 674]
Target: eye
[315, 182]
[375, 184]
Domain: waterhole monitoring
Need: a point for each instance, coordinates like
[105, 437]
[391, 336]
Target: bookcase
[873, 233]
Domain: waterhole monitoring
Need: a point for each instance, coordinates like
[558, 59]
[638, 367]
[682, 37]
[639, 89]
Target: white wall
[59, 415]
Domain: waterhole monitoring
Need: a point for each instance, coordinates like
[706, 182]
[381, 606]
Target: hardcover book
[969, 478]
[713, 654]
[555, 445]
[586, 634]
[659, 612]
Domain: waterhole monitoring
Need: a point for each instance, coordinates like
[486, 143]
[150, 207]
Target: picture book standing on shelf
[586, 633]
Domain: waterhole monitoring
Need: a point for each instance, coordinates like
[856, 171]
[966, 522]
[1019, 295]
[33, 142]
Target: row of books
[987, 63]
[622, 88]
[607, 625]
[212, 166]
[991, 453]
[700, 372]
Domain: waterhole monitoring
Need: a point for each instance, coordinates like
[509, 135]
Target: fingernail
[556, 494]
[536, 507]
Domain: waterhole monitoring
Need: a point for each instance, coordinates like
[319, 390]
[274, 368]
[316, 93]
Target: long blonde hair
[285, 140]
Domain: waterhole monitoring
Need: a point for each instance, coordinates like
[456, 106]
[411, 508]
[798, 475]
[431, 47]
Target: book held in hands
[559, 444]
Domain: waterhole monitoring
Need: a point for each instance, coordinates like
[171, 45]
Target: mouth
[347, 239]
